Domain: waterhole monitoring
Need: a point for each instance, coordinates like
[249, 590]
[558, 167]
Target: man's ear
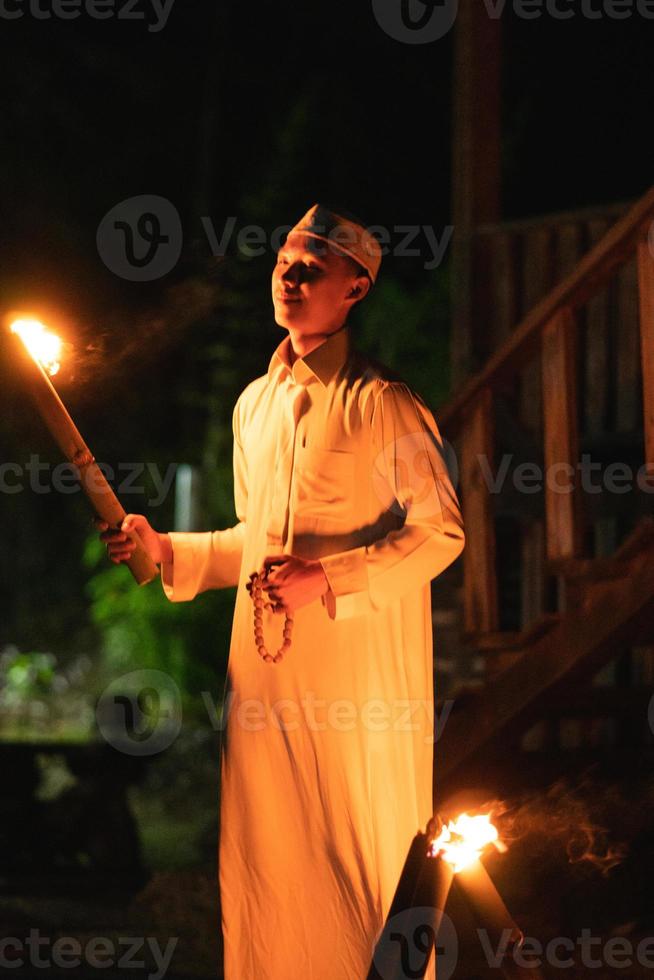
[359, 289]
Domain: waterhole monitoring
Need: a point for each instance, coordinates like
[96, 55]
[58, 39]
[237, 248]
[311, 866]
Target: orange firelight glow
[461, 841]
[44, 346]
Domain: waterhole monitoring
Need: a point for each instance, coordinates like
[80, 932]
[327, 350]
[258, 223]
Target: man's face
[312, 286]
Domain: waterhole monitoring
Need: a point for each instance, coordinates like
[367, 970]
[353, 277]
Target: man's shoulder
[370, 370]
[370, 378]
[247, 402]
[253, 389]
[377, 391]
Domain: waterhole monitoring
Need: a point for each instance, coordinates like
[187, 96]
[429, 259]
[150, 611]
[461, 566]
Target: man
[344, 500]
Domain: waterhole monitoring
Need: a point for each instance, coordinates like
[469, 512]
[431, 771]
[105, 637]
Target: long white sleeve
[410, 472]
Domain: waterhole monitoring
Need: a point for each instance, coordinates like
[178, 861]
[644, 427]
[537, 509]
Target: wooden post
[646, 295]
[533, 580]
[475, 167]
[560, 437]
[598, 362]
[537, 280]
[569, 248]
[627, 386]
[480, 578]
[504, 287]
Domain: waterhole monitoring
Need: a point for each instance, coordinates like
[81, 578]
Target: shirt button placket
[297, 394]
[291, 395]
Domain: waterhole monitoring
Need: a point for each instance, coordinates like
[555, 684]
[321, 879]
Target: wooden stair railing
[549, 330]
[617, 594]
[614, 612]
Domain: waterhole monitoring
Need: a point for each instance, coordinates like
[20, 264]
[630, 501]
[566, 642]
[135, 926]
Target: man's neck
[302, 344]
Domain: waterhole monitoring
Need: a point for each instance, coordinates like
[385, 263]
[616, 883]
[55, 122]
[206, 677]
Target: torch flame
[43, 345]
[461, 841]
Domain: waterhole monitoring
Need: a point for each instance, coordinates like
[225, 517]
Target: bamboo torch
[37, 351]
[490, 912]
[461, 843]
[413, 923]
[446, 854]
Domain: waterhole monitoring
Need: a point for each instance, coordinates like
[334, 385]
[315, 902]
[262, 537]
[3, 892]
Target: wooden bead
[258, 603]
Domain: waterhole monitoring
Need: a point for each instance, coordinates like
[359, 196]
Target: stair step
[500, 641]
[590, 569]
[641, 537]
[616, 614]
[595, 700]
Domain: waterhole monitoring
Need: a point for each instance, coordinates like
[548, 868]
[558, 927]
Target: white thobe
[326, 757]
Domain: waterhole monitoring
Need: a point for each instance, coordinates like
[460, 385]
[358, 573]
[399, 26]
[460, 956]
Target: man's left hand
[293, 582]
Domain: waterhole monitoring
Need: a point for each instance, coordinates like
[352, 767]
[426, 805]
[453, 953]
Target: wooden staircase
[603, 602]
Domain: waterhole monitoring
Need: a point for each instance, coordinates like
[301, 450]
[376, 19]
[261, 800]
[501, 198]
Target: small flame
[461, 841]
[43, 345]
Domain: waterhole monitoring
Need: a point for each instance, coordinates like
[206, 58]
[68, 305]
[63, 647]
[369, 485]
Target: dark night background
[254, 111]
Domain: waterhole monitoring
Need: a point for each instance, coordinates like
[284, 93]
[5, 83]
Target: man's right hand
[121, 547]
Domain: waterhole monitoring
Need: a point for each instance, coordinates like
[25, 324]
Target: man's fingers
[274, 560]
[120, 545]
[112, 535]
[134, 522]
[121, 556]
